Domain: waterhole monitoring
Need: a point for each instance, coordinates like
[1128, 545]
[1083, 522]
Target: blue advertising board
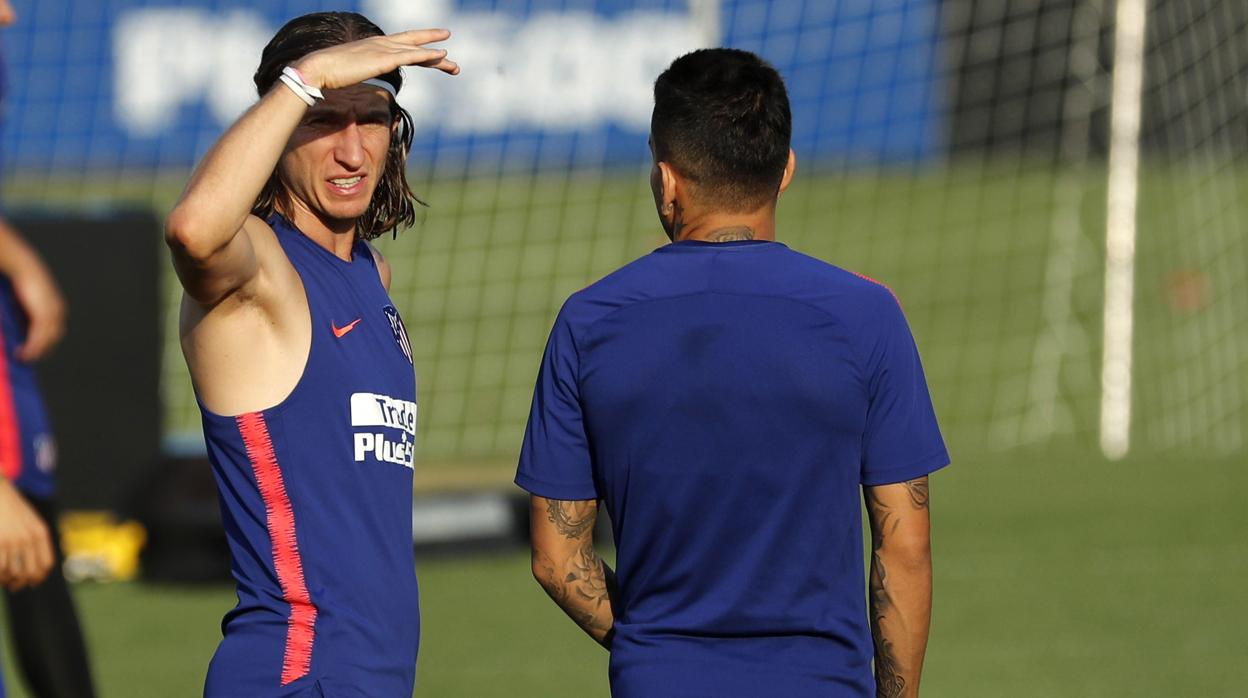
[136, 85]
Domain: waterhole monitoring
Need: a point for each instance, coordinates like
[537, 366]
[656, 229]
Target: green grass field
[1056, 575]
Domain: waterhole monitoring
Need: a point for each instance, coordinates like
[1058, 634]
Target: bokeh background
[957, 150]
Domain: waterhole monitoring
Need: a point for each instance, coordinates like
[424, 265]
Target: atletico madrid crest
[399, 331]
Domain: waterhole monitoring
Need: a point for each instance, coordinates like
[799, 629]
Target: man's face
[337, 155]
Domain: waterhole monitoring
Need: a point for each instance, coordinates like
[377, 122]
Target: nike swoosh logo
[340, 331]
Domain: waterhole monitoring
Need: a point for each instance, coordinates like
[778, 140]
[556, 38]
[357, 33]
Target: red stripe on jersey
[864, 277]
[10, 435]
[280, 521]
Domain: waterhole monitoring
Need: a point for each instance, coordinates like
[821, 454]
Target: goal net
[958, 150]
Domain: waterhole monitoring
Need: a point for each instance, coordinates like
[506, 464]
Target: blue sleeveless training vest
[316, 498]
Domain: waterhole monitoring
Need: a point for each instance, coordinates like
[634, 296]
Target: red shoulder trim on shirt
[881, 284]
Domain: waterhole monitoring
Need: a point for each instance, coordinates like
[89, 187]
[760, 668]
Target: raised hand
[351, 63]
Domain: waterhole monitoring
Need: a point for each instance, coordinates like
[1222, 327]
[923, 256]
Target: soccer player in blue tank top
[726, 398]
[302, 365]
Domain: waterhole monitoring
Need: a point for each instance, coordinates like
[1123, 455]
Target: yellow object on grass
[99, 547]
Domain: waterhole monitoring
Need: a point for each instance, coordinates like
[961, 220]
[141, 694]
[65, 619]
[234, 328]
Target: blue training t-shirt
[727, 401]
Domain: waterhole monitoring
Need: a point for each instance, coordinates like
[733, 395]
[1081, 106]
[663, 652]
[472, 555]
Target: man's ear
[669, 187]
[789, 168]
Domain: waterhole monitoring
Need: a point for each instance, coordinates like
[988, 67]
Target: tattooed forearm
[572, 518]
[740, 232]
[584, 587]
[544, 570]
[899, 588]
[587, 581]
[569, 568]
[888, 680]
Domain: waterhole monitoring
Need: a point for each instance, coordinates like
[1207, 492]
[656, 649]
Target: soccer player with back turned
[302, 366]
[726, 398]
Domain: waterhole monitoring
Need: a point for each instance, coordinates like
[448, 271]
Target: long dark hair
[393, 205]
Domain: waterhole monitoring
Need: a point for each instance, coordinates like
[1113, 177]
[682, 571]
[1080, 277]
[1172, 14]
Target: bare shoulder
[263, 240]
[247, 351]
[277, 282]
[222, 274]
[265, 302]
[258, 229]
[383, 267]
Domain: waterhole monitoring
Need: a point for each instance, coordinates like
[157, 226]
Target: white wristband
[292, 79]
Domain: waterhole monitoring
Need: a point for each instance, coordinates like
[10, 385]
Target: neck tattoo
[731, 234]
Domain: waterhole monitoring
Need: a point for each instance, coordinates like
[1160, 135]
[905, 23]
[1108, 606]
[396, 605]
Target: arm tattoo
[888, 679]
[587, 579]
[918, 492]
[572, 518]
[730, 234]
[883, 520]
[575, 577]
[550, 579]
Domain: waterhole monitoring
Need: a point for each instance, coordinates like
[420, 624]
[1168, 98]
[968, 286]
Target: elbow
[179, 230]
[913, 554]
[543, 569]
[184, 236]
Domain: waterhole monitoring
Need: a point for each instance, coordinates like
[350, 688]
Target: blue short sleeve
[555, 459]
[902, 440]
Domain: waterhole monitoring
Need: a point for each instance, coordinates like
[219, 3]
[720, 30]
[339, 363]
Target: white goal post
[1120, 227]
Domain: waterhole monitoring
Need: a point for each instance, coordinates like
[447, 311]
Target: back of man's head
[721, 120]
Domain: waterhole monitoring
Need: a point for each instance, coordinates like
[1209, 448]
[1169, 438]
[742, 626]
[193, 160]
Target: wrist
[295, 82]
[308, 71]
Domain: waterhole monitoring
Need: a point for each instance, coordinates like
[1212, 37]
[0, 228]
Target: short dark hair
[393, 203]
[721, 119]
